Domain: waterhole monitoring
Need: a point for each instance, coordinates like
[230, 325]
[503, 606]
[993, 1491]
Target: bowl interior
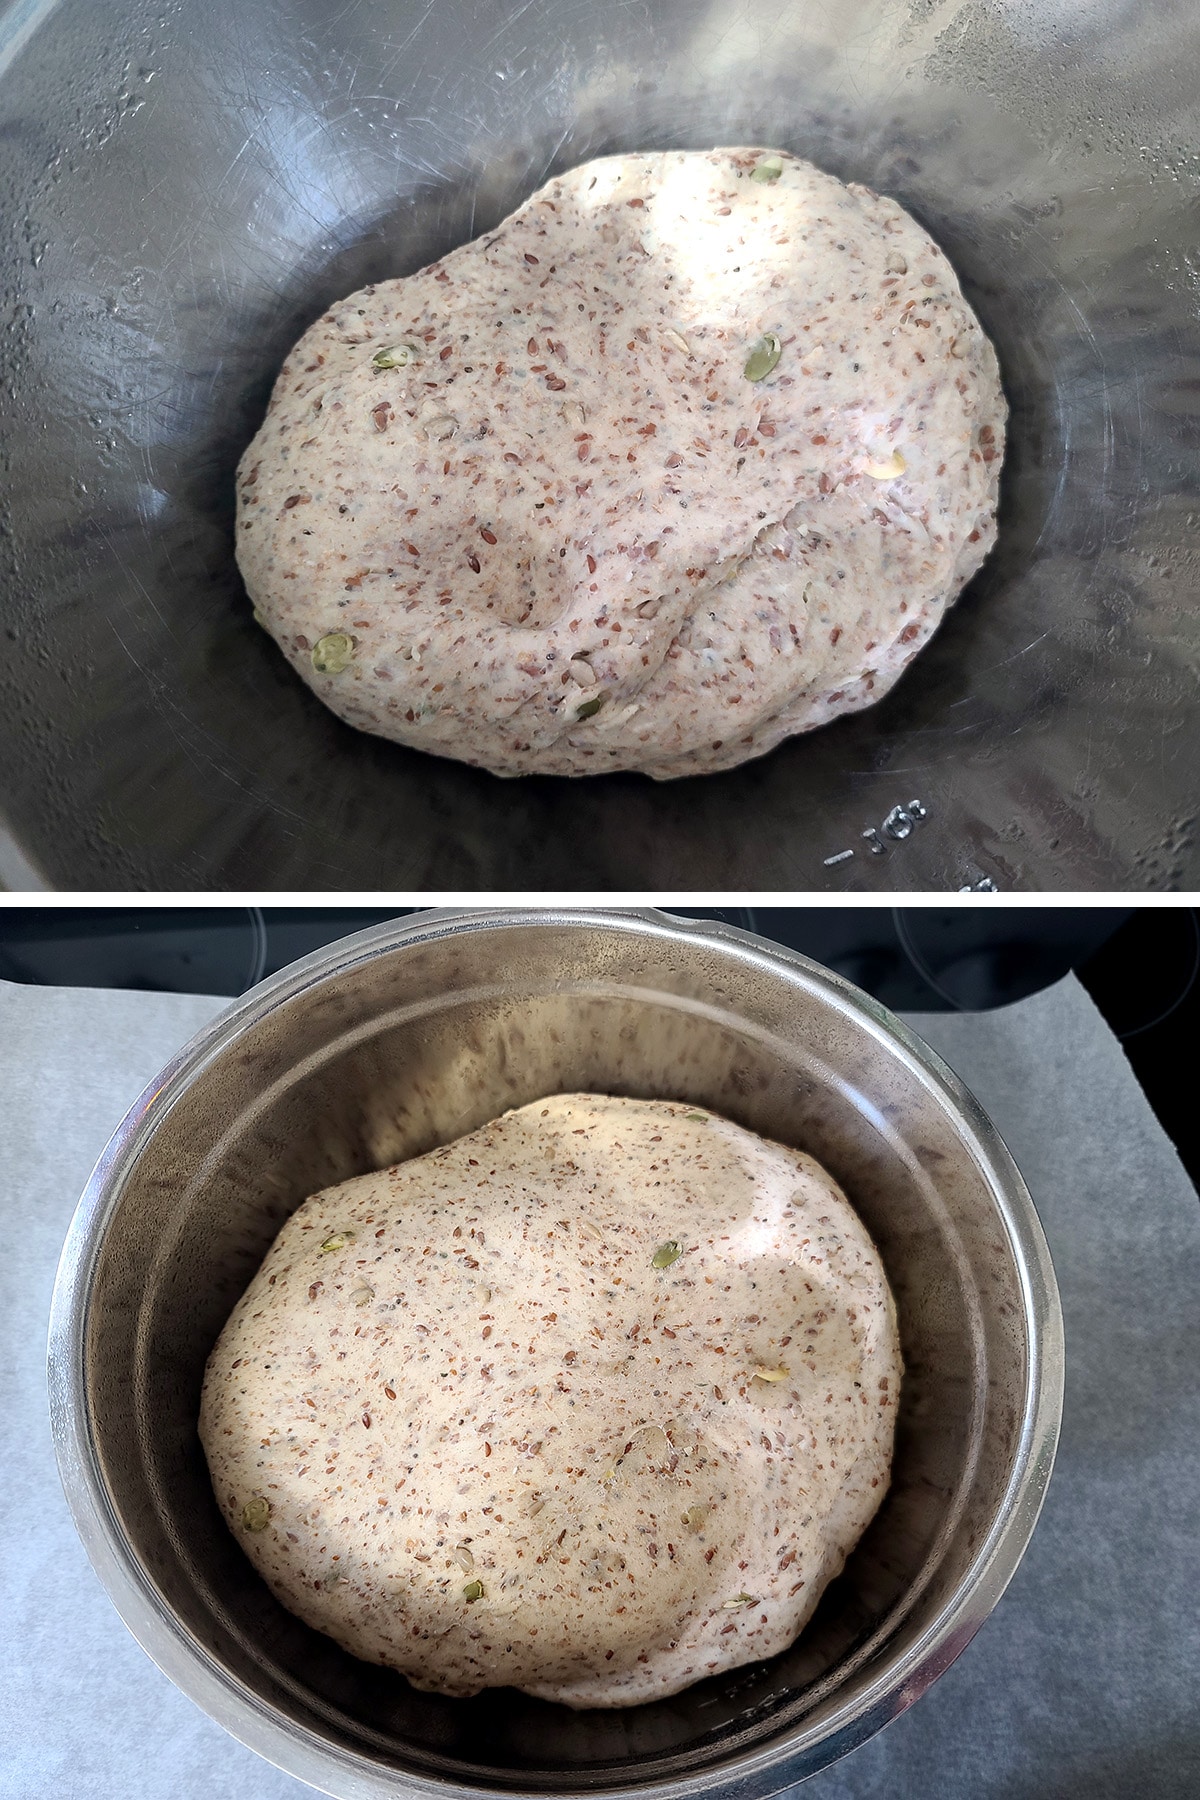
[187, 188]
[411, 1046]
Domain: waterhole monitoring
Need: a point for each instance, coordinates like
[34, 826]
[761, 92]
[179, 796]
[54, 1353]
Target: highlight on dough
[689, 455]
[483, 1421]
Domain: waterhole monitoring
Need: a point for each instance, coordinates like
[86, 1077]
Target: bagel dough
[593, 1402]
[579, 524]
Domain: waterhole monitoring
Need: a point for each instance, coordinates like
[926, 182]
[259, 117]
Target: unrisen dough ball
[566, 532]
[593, 1402]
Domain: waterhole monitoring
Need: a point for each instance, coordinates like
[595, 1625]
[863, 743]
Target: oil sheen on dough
[477, 1420]
[570, 534]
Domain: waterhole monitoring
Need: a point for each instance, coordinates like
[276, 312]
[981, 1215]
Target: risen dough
[570, 534]
[462, 1422]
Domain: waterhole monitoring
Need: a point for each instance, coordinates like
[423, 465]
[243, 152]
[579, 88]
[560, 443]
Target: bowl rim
[783, 1761]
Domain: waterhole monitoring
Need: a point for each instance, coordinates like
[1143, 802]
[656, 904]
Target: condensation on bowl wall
[406, 1036]
[177, 211]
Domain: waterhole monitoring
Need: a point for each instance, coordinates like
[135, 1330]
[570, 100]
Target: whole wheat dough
[570, 534]
[593, 1402]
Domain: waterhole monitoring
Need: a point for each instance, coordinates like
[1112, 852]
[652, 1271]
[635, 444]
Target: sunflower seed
[887, 471]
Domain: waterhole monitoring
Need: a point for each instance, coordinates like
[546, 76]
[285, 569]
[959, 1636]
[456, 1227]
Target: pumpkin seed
[256, 1513]
[666, 1254]
[395, 356]
[333, 653]
[769, 169]
[763, 357]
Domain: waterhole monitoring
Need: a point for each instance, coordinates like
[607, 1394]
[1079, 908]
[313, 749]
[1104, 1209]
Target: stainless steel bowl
[186, 187]
[405, 1036]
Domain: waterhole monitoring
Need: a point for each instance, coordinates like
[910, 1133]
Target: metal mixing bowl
[406, 1036]
[186, 186]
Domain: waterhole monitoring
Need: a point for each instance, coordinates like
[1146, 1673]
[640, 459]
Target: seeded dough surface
[571, 535]
[651, 1472]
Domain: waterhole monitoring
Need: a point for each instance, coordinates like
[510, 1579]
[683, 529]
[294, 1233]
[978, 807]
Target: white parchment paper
[1082, 1686]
